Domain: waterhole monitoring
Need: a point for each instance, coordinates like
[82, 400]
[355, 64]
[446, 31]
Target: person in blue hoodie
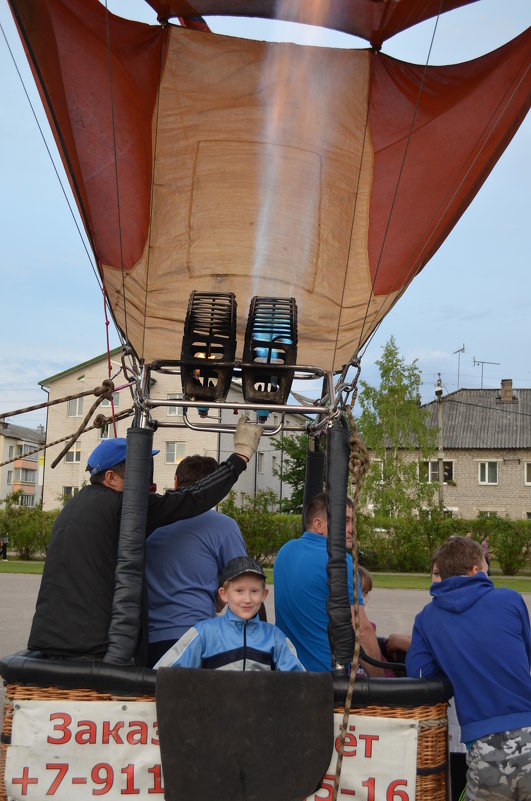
[480, 638]
[237, 640]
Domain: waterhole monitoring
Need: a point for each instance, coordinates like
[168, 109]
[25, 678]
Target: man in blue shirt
[301, 590]
[184, 561]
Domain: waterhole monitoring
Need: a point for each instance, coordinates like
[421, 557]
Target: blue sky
[474, 292]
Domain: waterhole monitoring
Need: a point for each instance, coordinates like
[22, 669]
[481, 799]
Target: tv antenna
[479, 361]
[459, 351]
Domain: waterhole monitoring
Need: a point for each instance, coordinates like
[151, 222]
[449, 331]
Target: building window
[175, 451]
[75, 408]
[274, 463]
[490, 513]
[28, 500]
[9, 476]
[528, 515]
[527, 473]
[175, 411]
[25, 476]
[11, 452]
[69, 492]
[115, 398]
[260, 462]
[74, 454]
[107, 431]
[429, 471]
[488, 473]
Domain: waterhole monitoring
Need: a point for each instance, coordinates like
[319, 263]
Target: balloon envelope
[205, 162]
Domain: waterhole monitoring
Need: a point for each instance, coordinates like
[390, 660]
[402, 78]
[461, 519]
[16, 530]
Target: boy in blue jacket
[237, 640]
[480, 638]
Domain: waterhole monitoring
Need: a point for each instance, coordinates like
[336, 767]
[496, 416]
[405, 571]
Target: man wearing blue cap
[74, 604]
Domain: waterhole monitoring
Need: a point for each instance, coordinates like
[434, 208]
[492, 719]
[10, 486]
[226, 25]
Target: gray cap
[240, 565]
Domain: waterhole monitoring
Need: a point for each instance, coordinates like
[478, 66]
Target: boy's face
[244, 595]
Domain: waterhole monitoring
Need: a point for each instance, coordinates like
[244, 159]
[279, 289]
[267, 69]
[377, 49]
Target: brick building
[486, 435]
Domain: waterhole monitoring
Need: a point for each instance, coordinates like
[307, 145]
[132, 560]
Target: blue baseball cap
[108, 453]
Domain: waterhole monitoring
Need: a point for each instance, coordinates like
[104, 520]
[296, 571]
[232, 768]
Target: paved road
[391, 610]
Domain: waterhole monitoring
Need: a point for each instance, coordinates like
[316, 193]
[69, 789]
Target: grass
[388, 581]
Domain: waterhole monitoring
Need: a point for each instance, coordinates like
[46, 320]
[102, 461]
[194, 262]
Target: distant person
[3, 542]
[301, 591]
[479, 637]
[469, 535]
[237, 640]
[184, 561]
[74, 604]
[485, 546]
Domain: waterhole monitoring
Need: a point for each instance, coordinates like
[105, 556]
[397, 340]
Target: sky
[472, 297]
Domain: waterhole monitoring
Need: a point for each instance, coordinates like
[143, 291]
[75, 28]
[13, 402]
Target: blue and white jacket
[229, 642]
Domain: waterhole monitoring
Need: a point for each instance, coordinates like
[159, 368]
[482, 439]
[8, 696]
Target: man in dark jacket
[74, 604]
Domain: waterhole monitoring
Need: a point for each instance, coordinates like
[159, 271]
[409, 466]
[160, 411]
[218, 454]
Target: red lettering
[67, 734]
[112, 732]
[369, 784]
[350, 745]
[369, 739]
[62, 769]
[130, 789]
[393, 793]
[155, 740]
[156, 772]
[138, 733]
[86, 732]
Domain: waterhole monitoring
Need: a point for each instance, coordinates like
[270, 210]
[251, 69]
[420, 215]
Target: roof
[479, 419]
[45, 382]
[26, 434]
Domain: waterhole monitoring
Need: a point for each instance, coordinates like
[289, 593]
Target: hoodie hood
[458, 593]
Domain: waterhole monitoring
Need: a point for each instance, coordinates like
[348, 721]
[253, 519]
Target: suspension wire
[395, 194]
[50, 156]
[117, 183]
[152, 190]
[354, 210]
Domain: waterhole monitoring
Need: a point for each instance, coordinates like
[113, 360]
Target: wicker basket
[432, 750]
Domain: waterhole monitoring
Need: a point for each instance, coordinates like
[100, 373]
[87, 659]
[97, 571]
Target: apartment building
[172, 437]
[26, 471]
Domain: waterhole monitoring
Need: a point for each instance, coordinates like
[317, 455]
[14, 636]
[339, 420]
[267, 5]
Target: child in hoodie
[237, 640]
[480, 638]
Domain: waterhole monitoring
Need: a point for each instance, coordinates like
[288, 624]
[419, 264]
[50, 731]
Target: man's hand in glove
[246, 437]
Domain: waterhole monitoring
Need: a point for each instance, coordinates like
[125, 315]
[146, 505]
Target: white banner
[379, 760]
[63, 750]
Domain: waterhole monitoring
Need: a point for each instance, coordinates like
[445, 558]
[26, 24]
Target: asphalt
[391, 610]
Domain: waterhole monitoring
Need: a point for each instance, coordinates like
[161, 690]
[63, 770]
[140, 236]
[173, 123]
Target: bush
[510, 540]
[263, 531]
[27, 528]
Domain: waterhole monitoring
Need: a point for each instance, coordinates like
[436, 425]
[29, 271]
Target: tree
[392, 424]
[293, 469]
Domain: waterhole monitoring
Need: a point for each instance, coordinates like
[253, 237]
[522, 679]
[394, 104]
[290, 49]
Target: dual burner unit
[209, 348]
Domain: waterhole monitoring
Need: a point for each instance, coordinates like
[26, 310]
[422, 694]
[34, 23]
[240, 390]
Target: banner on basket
[379, 760]
[80, 749]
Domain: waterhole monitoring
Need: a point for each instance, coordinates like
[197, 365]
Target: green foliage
[391, 424]
[510, 540]
[28, 528]
[293, 470]
[263, 531]
[404, 544]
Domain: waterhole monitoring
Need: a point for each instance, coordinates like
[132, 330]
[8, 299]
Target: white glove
[246, 437]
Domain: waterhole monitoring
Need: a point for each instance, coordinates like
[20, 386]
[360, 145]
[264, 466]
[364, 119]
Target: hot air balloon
[255, 209]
